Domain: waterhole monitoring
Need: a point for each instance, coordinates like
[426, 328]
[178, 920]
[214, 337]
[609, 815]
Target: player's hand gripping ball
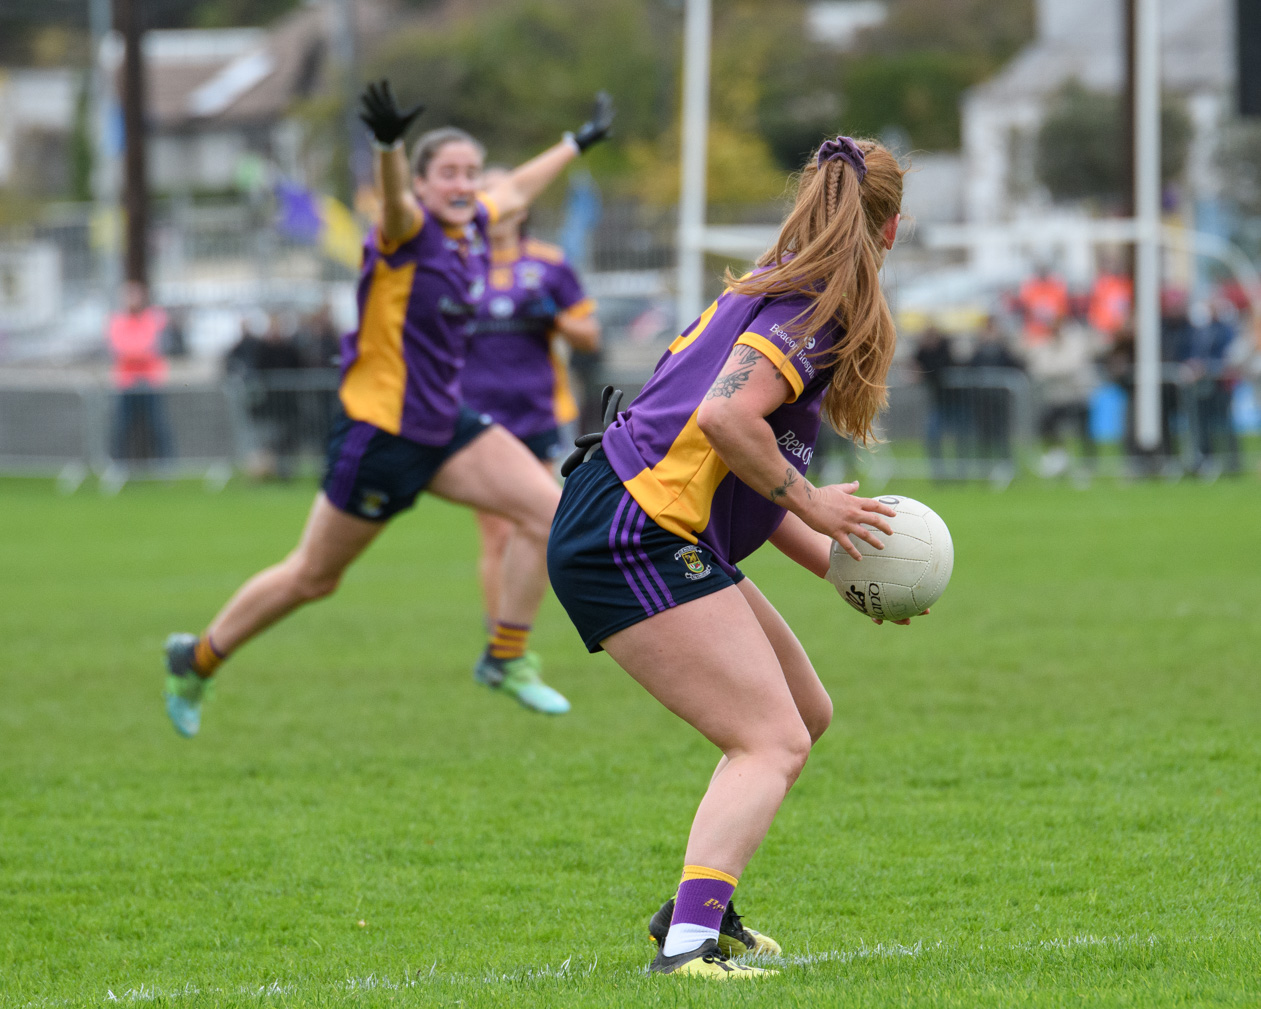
[908, 575]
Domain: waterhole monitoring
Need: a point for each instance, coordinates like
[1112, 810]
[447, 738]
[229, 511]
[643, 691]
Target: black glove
[598, 126]
[586, 444]
[381, 114]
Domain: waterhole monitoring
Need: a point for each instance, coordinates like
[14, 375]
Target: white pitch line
[568, 969]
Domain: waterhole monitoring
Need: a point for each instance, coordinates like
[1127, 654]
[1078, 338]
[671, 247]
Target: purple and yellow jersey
[512, 371]
[417, 296]
[658, 450]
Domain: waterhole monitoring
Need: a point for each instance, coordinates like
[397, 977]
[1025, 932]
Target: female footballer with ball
[706, 466]
[404, 427]
[515, 371]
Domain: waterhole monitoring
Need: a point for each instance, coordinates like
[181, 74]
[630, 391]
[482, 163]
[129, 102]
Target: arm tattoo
[740, 366]
[790, 478]
[726, 386]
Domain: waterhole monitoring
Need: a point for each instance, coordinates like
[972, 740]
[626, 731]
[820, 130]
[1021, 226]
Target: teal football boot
[521, 678]
[185, 690]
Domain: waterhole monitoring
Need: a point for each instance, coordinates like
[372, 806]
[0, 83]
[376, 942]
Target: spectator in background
[1111, 302]
[319, 341]
[933, 356]
[1211, 379]
[1063, 368]
[279, 417]
[319, 345]
[261, 358]
[991, 406]
[140, 429]
[1043, 302]
[1175, 348]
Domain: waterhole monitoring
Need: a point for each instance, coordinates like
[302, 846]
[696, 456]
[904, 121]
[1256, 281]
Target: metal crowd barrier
[274, 424]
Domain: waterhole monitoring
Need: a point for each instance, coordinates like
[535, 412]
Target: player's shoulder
[544, 252]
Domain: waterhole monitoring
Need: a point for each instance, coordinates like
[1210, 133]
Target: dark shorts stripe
[619, 555]
[646, 560]
[612, 566]
[374, 475]
[346, 469]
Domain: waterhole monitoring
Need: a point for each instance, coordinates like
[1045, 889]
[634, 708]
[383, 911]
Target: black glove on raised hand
[598, 126]
[381, 114]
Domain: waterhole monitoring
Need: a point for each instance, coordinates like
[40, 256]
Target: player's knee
[536, 526]
[310, 584]
[792, 750]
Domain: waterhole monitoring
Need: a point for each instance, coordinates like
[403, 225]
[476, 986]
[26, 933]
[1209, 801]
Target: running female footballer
[707, 465]
[515, 370]
[404, 428]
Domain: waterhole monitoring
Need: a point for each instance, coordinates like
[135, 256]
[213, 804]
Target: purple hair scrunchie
[845, 149]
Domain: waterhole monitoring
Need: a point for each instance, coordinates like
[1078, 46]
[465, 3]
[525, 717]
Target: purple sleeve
[564, 286]
[776, 332]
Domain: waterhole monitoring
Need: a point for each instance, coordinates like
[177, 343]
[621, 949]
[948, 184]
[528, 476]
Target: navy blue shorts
[545, 445]
[611, 566]
[374, 475]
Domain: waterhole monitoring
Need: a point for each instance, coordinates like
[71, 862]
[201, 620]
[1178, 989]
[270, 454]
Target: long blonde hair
[830, 249]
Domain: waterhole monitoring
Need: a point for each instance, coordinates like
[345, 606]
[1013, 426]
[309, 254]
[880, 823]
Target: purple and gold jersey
[417, 296]
[512, 371]
[658, 450]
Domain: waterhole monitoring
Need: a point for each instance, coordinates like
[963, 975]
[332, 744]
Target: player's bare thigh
[496, 473]
[332, 539]
[808, 692]
[710, 662]
[494, 528]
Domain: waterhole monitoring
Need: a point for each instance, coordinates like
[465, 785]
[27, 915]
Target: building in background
[1081, 40]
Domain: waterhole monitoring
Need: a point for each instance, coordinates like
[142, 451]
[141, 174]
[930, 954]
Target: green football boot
[520, 678]
[185, 690]
[734, 939]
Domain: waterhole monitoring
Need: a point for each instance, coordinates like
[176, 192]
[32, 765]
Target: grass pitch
[1044, 794]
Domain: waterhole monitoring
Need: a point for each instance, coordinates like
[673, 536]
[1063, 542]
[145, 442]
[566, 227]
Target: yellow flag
[340, 238]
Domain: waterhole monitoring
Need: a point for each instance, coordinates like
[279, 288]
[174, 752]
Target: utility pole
[1127, 121]
[135, 180]
[695, 129]
[1147, 217]
[346, 58]
[104, 156]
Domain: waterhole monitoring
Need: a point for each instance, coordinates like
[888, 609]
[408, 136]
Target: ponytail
[830, 249]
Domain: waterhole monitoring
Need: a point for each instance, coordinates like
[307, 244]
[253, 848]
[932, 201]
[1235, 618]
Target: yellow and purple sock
[508, 641]
[698, 908]
[206, 657]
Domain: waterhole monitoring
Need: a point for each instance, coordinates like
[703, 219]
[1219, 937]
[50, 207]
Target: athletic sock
[698, 908]
[508, 641]
[206, 657]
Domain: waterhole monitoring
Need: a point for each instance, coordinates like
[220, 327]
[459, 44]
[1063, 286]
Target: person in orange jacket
[135, 341]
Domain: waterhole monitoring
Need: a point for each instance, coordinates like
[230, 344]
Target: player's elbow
[583, 335]
[720, 421]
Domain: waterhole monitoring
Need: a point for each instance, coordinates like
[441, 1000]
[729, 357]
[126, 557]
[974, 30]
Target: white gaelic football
[908, 575]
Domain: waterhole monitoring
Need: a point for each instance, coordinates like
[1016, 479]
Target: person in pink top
[135, 341]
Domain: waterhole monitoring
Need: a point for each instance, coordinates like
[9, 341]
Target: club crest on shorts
[372, 503]
[695, 564]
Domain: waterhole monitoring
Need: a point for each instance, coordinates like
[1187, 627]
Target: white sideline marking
[567, 969]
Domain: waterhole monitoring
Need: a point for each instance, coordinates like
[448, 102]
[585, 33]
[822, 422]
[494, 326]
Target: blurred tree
[81, 144]
[910, 72]
[990, 30]
[1079, 156]
[520, 74]
[917, 93]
